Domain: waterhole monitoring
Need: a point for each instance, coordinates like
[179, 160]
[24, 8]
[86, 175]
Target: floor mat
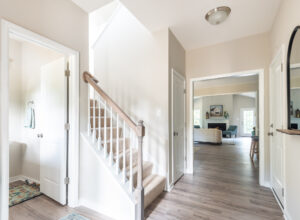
[74, 216]
[22, 193]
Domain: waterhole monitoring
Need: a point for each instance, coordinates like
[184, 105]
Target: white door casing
[53, 148]
[178, 125]
[276, 122]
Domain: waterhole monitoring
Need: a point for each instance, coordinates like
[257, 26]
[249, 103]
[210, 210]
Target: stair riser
[146, 172]
[102, 122]
[108, 132]
[134, 160]
[97, 112]
[155, 192]
[127, 144]
[92, 103]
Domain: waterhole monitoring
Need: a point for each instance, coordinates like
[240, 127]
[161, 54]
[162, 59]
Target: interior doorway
[226, 117]
[38, 106]
[34, 99]
[178, 126]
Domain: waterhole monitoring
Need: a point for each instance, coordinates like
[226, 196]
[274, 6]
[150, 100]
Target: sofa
[210, 135]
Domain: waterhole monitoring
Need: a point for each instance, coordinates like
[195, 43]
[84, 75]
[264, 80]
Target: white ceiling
[91, 5]
[187, 18]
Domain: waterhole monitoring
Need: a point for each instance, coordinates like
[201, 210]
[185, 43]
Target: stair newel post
[94, 116]
[111, 137]
[99, 123]
[117, 146]
[124, 152]
[105, 129]
[140, 188]
[130, 161]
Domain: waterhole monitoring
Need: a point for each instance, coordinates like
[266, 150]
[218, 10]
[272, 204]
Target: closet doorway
[38, 117]
[40, 89]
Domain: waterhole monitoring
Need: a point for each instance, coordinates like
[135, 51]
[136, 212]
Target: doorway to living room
[227, 124]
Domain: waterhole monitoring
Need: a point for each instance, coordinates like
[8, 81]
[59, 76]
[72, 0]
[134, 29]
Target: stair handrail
[139, 130]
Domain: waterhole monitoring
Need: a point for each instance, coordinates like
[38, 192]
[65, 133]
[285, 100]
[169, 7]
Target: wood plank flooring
[224, 187]
[44, 208]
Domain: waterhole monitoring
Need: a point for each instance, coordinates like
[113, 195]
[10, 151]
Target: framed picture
[216, 110]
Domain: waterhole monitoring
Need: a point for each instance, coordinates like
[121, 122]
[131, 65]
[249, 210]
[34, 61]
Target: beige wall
[132, 67]
[177, 62]
[287, 19]
[244, 54]
[58, 20]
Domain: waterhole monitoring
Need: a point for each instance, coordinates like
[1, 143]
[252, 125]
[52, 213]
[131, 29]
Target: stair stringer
[100, 189]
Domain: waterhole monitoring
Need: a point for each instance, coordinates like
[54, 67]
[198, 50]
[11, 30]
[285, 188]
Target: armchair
[232, 130]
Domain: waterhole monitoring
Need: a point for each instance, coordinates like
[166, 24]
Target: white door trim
[174, 72]
[263, 176]
[8, 28]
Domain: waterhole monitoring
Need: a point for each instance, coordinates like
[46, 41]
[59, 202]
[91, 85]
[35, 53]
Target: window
[197, 117]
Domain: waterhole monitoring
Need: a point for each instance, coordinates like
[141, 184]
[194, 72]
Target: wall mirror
[293, 80]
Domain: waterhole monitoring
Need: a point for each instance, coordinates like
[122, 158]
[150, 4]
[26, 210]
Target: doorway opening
[38, 119]
[38, 107]
[216, 123]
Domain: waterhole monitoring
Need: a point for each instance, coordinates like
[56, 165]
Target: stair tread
[152, 181]
[146, 165]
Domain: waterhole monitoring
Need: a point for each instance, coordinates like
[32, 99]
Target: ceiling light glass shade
[218, 15]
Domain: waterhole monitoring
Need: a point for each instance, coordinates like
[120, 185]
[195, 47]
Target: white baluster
[99, 123]
[124, 153]
[131, 164]
[94, 118]
[105, 130]
[89, 111]
[117, 146]
[111, 137]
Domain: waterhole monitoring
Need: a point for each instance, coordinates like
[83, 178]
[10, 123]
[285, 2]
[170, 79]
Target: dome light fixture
[218, 15]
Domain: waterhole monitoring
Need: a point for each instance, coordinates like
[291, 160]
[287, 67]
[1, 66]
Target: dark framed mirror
[293, 80]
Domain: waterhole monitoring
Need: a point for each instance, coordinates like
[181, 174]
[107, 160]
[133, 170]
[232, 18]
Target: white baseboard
[170, 187]
[23, 178]
[287, 216]
[266, 184]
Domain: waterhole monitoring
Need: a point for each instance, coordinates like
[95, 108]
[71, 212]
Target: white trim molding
[8, 28]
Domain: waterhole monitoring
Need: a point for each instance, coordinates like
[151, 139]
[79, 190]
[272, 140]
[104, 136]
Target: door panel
[53, 143]
[178, 101]
[276, 119]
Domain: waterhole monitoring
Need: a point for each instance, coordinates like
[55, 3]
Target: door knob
[270, 134]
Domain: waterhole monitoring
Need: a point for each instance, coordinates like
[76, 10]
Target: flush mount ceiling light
[218, 15]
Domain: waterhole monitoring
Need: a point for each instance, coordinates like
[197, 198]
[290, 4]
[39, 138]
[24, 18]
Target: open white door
[276, 120]
[178, 124]
[53, 152]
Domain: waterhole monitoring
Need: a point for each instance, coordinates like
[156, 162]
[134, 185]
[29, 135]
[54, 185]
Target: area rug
[22, 193]
[74, 216]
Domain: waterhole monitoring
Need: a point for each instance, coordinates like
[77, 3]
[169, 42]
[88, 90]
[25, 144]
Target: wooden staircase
[120, 140]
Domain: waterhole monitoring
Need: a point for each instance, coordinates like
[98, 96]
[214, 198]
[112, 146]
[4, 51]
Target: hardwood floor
[43, 208]
[224, 186]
